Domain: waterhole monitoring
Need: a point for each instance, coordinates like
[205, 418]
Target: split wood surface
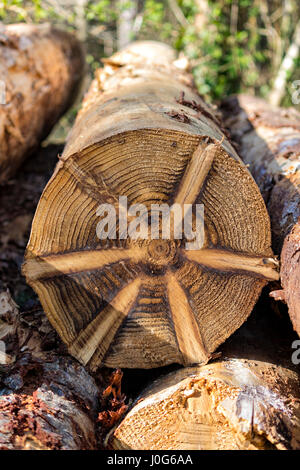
[40, 68]
[228, 405]
[269, 142]
[144, 133]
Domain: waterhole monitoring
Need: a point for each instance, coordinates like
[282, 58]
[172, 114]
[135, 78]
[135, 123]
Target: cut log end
[228, 405]
[135, 137]
[40, 85]
[269, 142]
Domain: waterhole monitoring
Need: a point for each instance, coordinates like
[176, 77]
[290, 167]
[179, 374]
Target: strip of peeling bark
[269, 140]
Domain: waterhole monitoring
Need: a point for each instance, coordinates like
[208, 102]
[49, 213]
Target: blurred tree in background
[233, 45]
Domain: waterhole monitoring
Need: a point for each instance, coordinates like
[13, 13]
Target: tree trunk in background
[128, 12]
[80, 20]
[41, 68]
[47, 399]
[202, 16]
[269, 142]
[145, 134]
[287, 66]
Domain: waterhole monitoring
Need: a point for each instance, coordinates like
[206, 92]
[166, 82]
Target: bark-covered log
[40, 68]
[290, 275]
[269, 142]
[143, 133]
[249, 399]
[47, 400]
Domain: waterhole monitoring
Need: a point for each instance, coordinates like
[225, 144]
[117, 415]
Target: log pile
[144, 134]
[40, 68]
[269, 142]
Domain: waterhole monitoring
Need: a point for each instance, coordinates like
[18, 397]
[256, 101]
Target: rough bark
[41, 68]
[127, 15]
[47, 400]
[144, 133]
[228, 405]
[248, 400]
[269, 142]
[290, 276]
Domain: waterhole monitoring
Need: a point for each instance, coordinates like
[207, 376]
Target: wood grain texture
[136, 136]
[290, 276]
[41, 68]
[269, 142]
[233, 404]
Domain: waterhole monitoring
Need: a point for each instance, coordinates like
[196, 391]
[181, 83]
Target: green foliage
[100, 11]
[234, 45]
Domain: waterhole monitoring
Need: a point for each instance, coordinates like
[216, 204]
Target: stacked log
[144, 134]
[269, 142]
[247, 400]
[228, 405]
[47, 400]
[40, 69]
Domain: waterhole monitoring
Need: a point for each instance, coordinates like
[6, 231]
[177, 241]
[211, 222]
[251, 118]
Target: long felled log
[143, 133]
[248, 400]
[47, 400]
[40, 68]
[269, 142]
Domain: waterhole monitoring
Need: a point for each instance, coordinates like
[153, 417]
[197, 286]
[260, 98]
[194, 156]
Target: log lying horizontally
[47, 400]
[228, 405]
[269, 141]
[247, 400]
[40, 68]
[143, 133]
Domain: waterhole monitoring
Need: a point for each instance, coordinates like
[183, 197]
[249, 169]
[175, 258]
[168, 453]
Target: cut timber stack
[40, 68]
[269, 142]
[144, 133]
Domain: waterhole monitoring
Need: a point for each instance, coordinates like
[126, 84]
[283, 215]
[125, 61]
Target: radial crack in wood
[192, 182]
[101, 331]
[227, 261]
[186, 327]
[196, 173]
[69, 263]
